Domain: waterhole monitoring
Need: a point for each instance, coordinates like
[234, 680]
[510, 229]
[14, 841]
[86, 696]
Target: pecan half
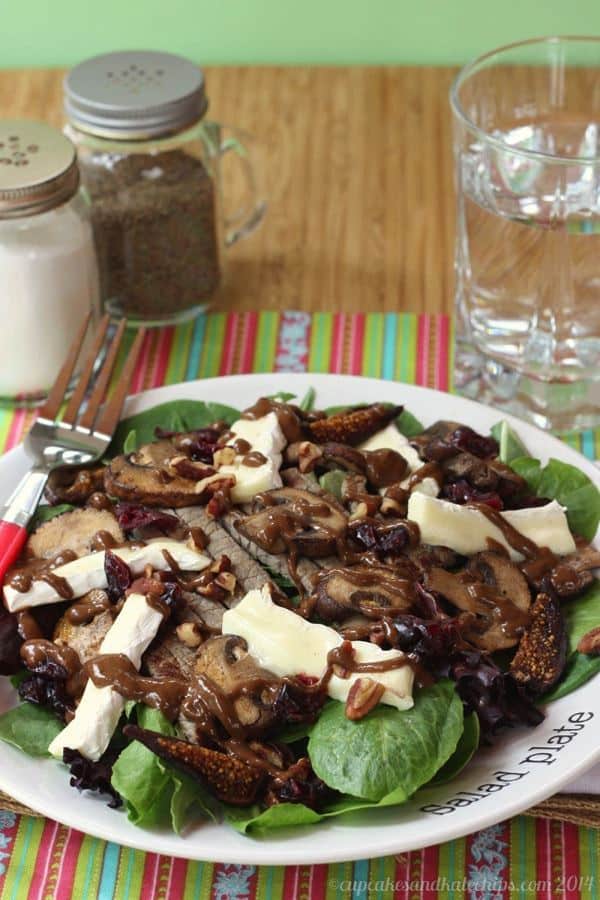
[355, 426]
[590, 642]
[364, 695]
[542, 653]
[228, 778]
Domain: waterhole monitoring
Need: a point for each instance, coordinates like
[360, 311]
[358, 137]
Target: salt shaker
[152, 165]
[48, 270]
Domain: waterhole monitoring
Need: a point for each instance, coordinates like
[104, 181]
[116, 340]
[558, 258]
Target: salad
[282, 614]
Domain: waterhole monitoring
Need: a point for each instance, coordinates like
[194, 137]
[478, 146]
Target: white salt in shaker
[48, 270]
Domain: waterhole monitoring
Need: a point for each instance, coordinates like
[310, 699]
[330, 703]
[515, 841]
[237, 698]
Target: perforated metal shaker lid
[38, 168]
[134, 94]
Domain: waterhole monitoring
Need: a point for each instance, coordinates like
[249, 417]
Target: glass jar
[152, 167]
[48, 270]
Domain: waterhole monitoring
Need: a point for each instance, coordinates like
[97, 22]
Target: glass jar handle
[248, 216]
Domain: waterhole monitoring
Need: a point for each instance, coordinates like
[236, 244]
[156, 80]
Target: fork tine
[109, 417]
[57, 392]
[70, 415]
[97, 395]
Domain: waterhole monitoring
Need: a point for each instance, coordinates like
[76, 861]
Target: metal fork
[78, 438]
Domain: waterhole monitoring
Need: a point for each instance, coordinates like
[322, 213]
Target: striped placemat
[525, 857]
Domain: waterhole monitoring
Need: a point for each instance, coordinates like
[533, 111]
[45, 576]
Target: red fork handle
[15, 517]
[12, 541]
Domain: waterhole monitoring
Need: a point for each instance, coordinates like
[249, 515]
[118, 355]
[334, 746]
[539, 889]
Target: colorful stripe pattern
[521, 859]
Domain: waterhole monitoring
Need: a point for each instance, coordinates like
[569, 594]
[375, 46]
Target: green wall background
[62, 32]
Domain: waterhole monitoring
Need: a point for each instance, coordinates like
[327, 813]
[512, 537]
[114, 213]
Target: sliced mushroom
[230, 779]
[341, 592]
[542, 653]
[476, 471]
[354, 426]
[426, 556]
[80, 530]
[493, 595]
[226, 662]
[292, 519]
[84, 639]
[431, 442]
[573, 574]
[146, 477]
[74, 485]
[499, 572]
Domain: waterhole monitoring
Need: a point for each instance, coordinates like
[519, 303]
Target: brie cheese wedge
[264, 436]
[87, 572]
[287, 644]
[466, 530]
[99, 709]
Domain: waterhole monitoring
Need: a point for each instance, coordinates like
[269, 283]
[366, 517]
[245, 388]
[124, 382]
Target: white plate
[529, 776]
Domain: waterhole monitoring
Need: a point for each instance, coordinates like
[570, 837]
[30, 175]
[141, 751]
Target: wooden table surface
[358, 177]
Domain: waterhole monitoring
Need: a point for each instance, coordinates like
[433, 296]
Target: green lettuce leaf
[282, 396]
[465, 749]
[333, 481]
[45, 513]
[581, 615]
[139, 777]
[154, 792]
[408, 424]
[567, 484]
[388, 751]
[176, 415]
[510, 444]
[30, 728]
[308, 401]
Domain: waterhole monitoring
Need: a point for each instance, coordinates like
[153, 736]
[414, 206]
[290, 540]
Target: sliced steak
[249, 573]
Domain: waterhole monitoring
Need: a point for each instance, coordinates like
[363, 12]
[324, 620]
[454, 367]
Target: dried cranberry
[462, 492]
[118, 575]
[299, 785]
[131, 516]
[295, 704]
[464, 438]
[383, 539]
[50, 692]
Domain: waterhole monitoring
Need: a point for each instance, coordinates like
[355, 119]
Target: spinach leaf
[45, 513]
[581, 615]
[567, 484]
[579, 669]
[308, 401]
[333, 481]
[510, 444]
[466, 747]
[154, 792]
[176, 415]
[131, 442]
[139, 777]
[408, 425]
[390, 750]
[282, 815]
[282, 396]
[29, 727]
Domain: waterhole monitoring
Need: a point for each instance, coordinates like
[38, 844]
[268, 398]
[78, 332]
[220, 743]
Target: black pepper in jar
[154, 224]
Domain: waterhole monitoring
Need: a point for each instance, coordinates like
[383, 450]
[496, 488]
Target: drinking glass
[527, 148]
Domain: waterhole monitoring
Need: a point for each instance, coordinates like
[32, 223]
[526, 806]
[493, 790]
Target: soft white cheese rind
[99, 709]
[389, 438]
[286, 644]
[466, 530]
[264, 436]
[87, 572]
